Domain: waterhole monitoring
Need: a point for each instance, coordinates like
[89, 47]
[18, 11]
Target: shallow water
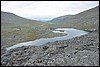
[71, 32]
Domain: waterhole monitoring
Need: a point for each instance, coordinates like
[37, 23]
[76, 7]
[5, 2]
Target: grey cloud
[47, 9]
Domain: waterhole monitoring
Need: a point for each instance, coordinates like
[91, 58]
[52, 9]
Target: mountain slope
[12, 19]
[16, 29]
[60, 19]
[88, 19]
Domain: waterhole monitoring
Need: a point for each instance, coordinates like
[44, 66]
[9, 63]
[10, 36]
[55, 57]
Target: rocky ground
[79, 51]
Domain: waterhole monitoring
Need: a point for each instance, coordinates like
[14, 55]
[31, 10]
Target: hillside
[12, 19]
[16, 29]
[86, 20]
[60, 19]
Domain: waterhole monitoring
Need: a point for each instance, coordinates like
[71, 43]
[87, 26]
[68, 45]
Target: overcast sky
[46, 10]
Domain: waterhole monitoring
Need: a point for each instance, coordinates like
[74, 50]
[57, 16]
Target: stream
[71, 32]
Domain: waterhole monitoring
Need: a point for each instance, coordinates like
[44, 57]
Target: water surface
[71, 32]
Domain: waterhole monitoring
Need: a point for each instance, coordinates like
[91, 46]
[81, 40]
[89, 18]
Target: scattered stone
[65, 45]
[78, 51]
[45, 48]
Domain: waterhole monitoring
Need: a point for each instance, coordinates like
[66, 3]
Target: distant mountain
[60, 19]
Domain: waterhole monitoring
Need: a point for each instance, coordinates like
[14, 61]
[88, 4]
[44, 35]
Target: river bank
[78, 51]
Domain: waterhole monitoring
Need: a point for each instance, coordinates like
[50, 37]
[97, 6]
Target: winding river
[71, 32]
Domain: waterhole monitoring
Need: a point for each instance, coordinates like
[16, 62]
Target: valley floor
[78, 51]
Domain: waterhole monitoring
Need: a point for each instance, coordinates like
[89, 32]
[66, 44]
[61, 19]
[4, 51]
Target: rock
[65, 45]
[43, 54]
[16, 53]
[38, 61]
[75, 51]
[90, 44]
[3, 63]
[60, 61]
[45, 48]
[24, 48]
[61, 47]
[5, 59]
[19, 59]
[3, 51]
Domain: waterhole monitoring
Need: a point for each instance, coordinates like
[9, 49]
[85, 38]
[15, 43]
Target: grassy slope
[86, 20]
[15, 29]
